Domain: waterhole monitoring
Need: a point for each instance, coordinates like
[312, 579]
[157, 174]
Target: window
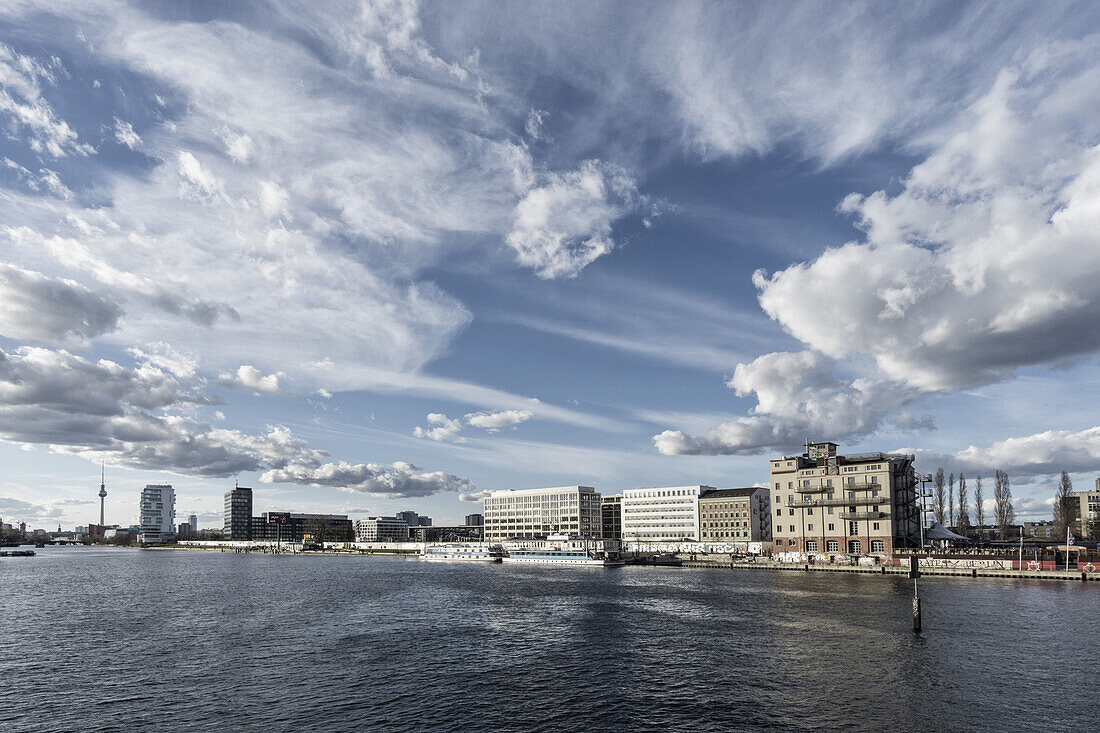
[810, 510]
[853, 528]
[830, 510]
[875, 525]
[832, 546]
[811, 545]
[810, 528]
[790, 512]
[777, 486]
[851, 479]
[855, 547]
[792, 543]
[792, 529]
[830, 527]
[779, 512]
[878, 546]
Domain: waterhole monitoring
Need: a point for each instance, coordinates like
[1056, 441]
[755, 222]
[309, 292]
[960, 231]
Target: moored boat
[462, 552]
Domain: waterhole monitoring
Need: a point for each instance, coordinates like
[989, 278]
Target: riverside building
[662, 514]
[238, 514]
[738, 515]
[860, 504]
[382, 529]
[611, 517]
[1084, 513]
[529, 513]
[292, 527]
[158, 514]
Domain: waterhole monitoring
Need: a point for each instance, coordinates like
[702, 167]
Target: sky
[374, 256]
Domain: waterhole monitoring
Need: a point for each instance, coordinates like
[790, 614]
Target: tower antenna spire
[102, 491]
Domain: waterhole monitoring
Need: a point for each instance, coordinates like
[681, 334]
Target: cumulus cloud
[249, 377]
[398, 480]
[797, 397]
[196, 181]
[1039, 454]
[494, 421]
[52, 310]
[477, 496]
[563, 225]
[163, 356]
[442, 428]
[124, 133]
[985, 261]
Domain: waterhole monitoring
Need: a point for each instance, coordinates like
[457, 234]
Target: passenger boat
[556, 556]
[472, 552]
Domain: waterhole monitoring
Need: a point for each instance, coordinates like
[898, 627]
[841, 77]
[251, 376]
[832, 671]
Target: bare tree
[979, 508]
[319, 528]
[1063, 509]
[952, 517]
[938, 499]
[1002, 498]
[964, 514]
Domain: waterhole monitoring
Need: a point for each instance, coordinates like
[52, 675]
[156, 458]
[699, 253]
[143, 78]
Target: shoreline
[884, 570]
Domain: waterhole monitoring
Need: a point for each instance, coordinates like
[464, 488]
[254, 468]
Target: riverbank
[697, 563]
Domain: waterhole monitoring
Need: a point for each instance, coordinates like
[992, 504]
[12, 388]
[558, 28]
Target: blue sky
[374, 256]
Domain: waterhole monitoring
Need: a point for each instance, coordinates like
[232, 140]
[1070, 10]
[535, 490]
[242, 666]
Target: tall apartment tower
[829, 504]
[158, 513]
[238, 514]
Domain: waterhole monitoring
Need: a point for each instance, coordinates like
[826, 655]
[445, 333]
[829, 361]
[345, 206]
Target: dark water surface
[114, 639]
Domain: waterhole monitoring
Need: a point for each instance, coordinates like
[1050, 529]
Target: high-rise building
[530, 513]
[611, 517]
[238, 514]
[193, 521]
[826, 503]
[735, 515]
[661, 514]
[158, 514]
[475, 520]
[381, 529]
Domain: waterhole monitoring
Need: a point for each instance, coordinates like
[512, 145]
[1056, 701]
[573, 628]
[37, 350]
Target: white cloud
[45, 179]
[249, 377]
[21, 100]
[797, 397]
[477, 496]
[124, 133]
[238, 146]
[394, 481]
[533, 126]
[196, 181]
[443, 428]
[52, 310]
[274, 200]
[163, 356]
[1048, 452]
[493, 421]
[564, 224]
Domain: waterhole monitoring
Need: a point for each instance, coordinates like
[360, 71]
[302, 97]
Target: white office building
[158, 514]
[662, 514]
[381, 529]
[531, 513]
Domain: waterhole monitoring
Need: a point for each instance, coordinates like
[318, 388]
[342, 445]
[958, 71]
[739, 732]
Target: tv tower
[102, 493]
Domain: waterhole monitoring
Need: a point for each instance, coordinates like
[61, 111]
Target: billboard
[278, 517]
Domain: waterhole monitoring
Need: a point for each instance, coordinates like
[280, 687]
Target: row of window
[853, 527]
[855, 547]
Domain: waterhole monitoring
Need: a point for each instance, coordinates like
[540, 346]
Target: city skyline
[373, 258]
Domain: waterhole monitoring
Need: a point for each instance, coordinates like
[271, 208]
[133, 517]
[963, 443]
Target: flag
[1070, 540]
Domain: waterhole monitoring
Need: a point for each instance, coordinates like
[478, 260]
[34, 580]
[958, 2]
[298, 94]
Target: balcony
[861, 501]
[863, 486]
[863, 515]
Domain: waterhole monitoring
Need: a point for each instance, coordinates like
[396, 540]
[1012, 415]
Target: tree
[320, 529]
[952, 518]
[964, 514]
[979, 508]
[1002, 499]
[1063, 506]
[939, 505]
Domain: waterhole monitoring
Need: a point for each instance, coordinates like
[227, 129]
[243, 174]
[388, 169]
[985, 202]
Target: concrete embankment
[888, 570]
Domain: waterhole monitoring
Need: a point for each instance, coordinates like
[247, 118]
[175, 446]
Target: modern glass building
[158, 514]
[238, 514]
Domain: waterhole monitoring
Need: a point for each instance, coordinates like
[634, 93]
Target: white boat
[473, 552]
[555, 556]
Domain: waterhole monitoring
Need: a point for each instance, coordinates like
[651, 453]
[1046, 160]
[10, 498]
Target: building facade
[238, 514]
[413, 519]
[661, 514]
[381, 529]
[531, 513]
[158, 514]
[291, 527]
[738, 515]
[1085, 513]
[439, 533]
[826, 503]
[475, 520]
[611, 517]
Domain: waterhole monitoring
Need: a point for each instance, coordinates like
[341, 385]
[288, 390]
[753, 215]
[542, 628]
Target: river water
[119, 639]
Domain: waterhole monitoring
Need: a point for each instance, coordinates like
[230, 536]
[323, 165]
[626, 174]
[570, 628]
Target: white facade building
[523, 513]
[158, 514]
[381, 529]
[662, 514]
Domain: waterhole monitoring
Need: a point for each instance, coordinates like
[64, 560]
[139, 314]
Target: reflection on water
[123, 639]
